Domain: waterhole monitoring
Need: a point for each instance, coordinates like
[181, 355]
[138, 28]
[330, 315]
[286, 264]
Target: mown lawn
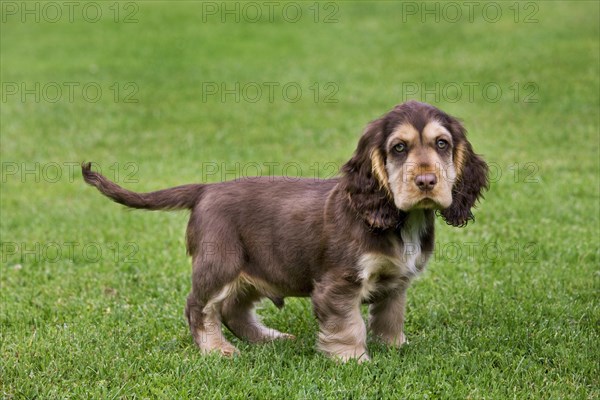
[92, 295]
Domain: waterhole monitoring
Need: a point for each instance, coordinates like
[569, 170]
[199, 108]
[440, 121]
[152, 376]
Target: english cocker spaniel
[358, 238]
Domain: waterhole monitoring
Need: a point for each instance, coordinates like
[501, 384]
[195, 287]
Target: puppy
[358, 238]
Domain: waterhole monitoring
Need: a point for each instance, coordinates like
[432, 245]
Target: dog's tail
[179, 197]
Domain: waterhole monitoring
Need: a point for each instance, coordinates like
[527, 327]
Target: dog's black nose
[426, 182]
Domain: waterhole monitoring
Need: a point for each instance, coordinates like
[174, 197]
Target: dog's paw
[224, 348]
[265, 335]
[348, 357]
[395, 341]
[285, 336]
[229, 350]
[348, 354]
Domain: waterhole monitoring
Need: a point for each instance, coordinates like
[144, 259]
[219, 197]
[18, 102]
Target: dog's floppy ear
[471, 177]
[365, 181]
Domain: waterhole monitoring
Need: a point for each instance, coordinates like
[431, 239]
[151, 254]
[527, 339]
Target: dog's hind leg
[239, 316]
[205, 323]
[211, 286]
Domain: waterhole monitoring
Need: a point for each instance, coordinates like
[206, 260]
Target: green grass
[516, 317]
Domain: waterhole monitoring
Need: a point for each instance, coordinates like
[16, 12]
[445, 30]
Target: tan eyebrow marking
[435, 129]
[405, 132]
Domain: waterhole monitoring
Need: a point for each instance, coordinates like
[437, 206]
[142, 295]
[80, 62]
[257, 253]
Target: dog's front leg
[343, 334]
[386, 317]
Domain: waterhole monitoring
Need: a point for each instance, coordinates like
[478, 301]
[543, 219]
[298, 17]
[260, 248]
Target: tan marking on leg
[252, 329]
[345, 338]
[209, 336]
[238, 311]
[386, 319]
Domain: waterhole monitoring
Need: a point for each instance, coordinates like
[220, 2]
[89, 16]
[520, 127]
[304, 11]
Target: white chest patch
[406, 260]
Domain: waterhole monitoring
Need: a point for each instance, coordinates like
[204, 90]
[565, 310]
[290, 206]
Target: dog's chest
[385, 272]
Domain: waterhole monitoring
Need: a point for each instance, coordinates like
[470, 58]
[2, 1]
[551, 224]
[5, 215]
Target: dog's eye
[400, 147]
[442, 144]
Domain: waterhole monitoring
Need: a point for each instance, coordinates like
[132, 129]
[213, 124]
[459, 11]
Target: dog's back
[270, 228]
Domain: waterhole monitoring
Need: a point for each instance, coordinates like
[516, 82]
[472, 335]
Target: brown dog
[358, 238]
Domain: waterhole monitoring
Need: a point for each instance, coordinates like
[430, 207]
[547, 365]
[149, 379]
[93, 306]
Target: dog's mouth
[426, 200]
[427, 203]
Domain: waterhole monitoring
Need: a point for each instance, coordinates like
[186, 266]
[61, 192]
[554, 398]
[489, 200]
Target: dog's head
[416, 156]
